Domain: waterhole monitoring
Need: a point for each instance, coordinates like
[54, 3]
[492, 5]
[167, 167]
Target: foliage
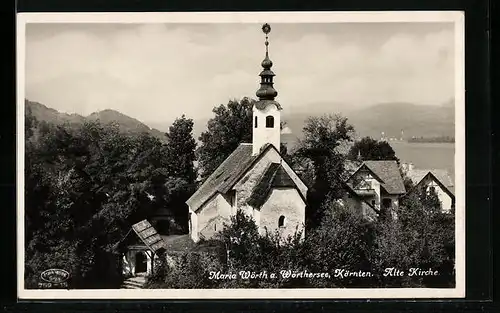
[322, 136]
[371, 149]
[181, 148]
[422, 237]
[231, 126]
[342, 241]
[191, 271]
[84, 188]
[180, 153]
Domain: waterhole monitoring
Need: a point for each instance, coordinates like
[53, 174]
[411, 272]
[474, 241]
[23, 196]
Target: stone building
[254, 178]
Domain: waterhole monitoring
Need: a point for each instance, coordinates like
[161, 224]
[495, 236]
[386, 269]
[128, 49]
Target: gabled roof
[350, 167]
[226, 175]
[274, 177]
[388, 174]
[441, 176]
[147, 235]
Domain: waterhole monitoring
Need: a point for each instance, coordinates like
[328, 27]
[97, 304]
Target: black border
[479, 161]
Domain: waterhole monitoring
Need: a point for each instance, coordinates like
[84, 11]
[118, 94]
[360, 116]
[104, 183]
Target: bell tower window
[255, 122]
[269, 121]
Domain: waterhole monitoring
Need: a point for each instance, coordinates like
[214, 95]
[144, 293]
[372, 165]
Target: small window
[373, 202]
[215, 227]
[281, 221]
[269, 121]
[432, 189]
[255, 122]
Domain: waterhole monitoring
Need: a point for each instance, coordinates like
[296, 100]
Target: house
[254, 178]
[436, 180]
[378, 184]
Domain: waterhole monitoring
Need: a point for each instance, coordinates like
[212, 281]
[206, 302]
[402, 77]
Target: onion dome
[266, 90]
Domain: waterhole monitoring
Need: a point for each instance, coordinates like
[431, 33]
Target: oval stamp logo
[55, 276]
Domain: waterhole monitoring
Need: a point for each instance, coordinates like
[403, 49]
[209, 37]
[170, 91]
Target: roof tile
[389, 172]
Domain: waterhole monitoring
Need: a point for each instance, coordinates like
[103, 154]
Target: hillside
[125, 123]
[391, 118]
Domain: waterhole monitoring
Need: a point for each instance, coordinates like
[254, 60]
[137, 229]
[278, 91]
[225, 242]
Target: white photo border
[456, 17]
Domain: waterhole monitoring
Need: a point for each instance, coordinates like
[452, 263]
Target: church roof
[226, 175]
[274, 177]
[389, 174]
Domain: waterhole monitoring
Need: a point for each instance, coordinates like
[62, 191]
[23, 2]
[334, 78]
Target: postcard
[238, 155]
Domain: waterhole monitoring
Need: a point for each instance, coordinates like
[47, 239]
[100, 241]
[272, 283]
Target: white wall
[217, 206]
[286, 202]
[263, 135]
[373, 183]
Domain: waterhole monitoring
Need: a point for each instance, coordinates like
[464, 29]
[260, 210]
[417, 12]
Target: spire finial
[266, 91]
[266, 28]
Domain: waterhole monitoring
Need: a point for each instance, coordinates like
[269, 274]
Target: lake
[427, 155]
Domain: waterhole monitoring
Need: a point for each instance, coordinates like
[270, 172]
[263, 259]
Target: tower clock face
[266, 28]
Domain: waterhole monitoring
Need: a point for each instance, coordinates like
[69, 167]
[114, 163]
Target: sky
[157, 72]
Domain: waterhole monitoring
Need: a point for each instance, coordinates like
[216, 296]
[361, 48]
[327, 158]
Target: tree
[231, 126]
[322, 136]
[85, 187]
[426, 239]
[181, 148]
[371, 149]
[343, 240]
[180, 154]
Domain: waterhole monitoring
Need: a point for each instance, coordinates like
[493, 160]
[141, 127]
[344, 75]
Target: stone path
[136, 282]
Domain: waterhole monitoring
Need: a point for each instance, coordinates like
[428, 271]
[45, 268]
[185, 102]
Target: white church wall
[285, 202]
[193, 230]
[216, 206]
[262, 134]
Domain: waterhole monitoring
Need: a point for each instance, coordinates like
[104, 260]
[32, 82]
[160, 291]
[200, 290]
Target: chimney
[410, 166]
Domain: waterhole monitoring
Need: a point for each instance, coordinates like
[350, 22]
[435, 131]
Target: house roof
[388, 173]
[416, 176]
[226, 175]
[147, 235]
[274, 177]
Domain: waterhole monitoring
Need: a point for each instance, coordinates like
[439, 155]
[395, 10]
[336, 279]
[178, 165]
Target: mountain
[390, 118]
[413, 120]
[125, 123]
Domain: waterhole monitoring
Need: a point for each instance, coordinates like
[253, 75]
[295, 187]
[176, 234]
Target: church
[254, 178]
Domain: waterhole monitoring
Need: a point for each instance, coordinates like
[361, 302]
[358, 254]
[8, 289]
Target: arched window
[255, 122]
[281, 221]
[269, 121]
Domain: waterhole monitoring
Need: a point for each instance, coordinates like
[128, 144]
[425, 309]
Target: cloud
[156, 72]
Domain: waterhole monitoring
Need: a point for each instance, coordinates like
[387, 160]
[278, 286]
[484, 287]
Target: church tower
[266, 111]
